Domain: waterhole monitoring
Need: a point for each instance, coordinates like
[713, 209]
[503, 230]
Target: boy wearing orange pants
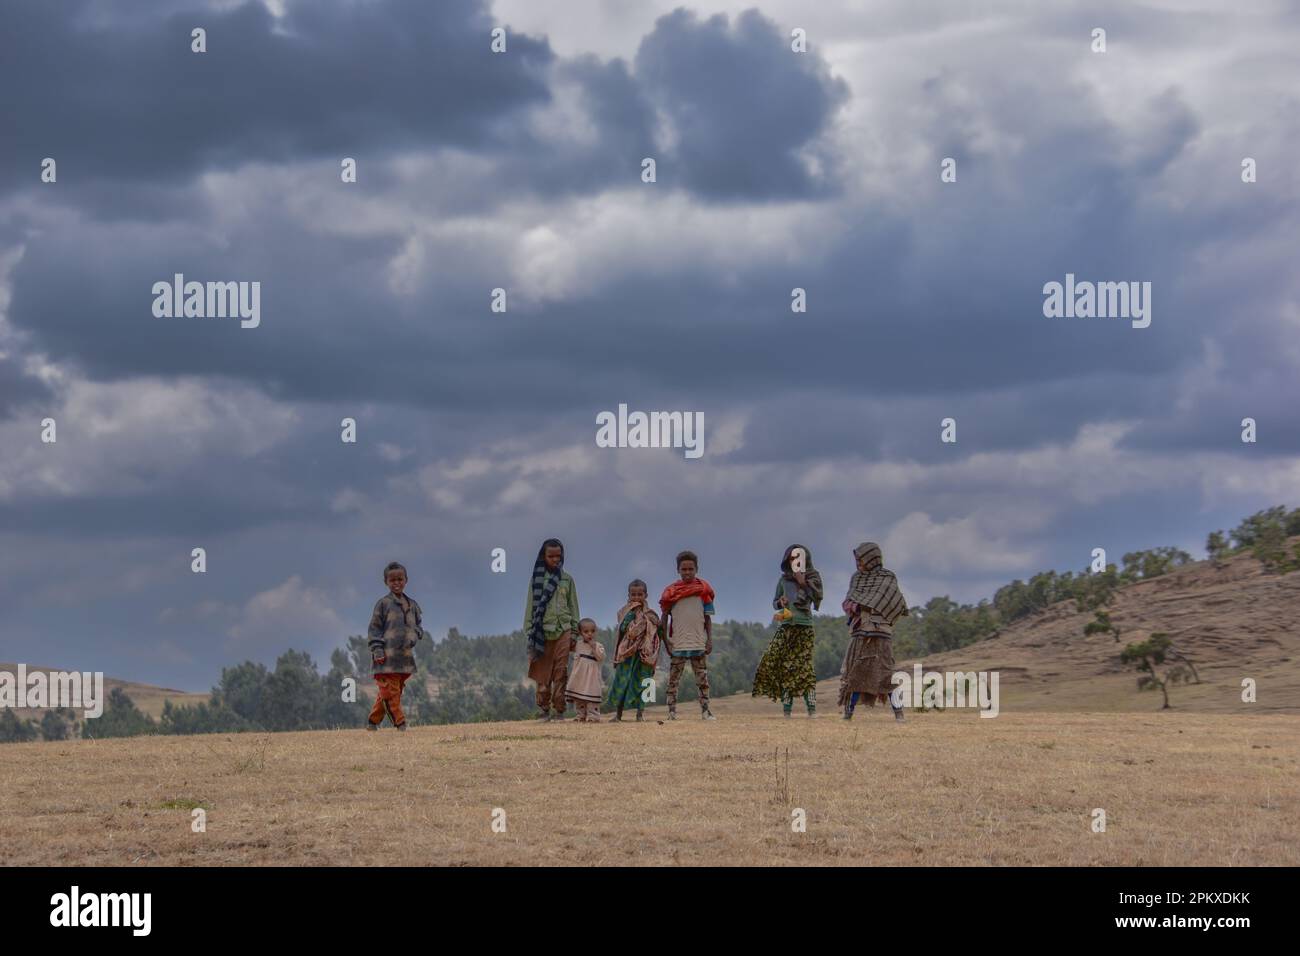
[394, 629]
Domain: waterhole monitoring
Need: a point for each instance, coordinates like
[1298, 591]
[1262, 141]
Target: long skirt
[626, 688]
[786, 667]
[868, 669]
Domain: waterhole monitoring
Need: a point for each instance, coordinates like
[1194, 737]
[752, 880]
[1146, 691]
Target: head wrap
[811, 576]
[876, 587]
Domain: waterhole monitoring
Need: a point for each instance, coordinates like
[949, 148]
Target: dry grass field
[1178, 788]
[1214, 781]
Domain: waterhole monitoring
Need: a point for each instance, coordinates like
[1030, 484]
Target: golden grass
[950, 788]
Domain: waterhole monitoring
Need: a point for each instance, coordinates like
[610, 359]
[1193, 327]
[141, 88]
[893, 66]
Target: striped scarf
[876, 588]
[545, 581]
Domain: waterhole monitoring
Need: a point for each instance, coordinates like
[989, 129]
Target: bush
[1141, 565]
[1270, 548]
[14, 730]
[121, 718]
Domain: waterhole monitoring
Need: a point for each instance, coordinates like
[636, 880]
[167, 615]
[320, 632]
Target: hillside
[1234, 621]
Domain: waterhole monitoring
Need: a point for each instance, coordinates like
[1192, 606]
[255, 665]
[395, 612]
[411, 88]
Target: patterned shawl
[544, 583]
[638, 633]
[812, 589]
[876, 588]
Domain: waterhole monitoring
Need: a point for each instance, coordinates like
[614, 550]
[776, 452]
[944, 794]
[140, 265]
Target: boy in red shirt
[687, 607]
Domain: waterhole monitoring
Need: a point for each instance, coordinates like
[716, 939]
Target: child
[585, 686]
[550, 617]
[873, 604]
[636, 651]
[394, 629]
[786, 667]
[688, 631]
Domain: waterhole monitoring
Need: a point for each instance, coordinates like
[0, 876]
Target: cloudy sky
[522, 170]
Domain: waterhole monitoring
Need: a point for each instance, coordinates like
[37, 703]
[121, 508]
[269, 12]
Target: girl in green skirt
[636, 652]
[786, 668]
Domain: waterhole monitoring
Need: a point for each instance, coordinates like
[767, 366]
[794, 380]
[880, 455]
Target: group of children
[551, 615]
[683, 625]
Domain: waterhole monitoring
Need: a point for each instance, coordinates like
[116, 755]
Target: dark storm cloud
[474, 427]
[742, 105]
[132, 103]
[18, 389]
[129, 100]
[622, 117]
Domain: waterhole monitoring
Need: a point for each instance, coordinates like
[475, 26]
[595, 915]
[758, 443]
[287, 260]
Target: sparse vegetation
[1265, 535]
[1143, 565]
[1101, 624]
[183, 803]
[1158, 662]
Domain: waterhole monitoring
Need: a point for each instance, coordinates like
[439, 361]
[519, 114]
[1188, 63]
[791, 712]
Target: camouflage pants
[699, 667]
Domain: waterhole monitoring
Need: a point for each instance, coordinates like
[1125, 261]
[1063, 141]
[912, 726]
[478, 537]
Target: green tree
[336, 712]
[58, 724]
[209, 717]
[1101, 624]
[1270, 549]
[243, 690]
[1152, 659]
[121, 718]
[14, 730]
[1141, 565]
[1216, 546]
[295, 694]
[1246, 534]
[1095, 590]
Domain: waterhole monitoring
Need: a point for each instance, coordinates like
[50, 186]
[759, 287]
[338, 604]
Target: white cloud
[288, 613]
[131, 436]
[964, 544]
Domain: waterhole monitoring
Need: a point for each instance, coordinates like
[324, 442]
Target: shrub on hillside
[1141, 565]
